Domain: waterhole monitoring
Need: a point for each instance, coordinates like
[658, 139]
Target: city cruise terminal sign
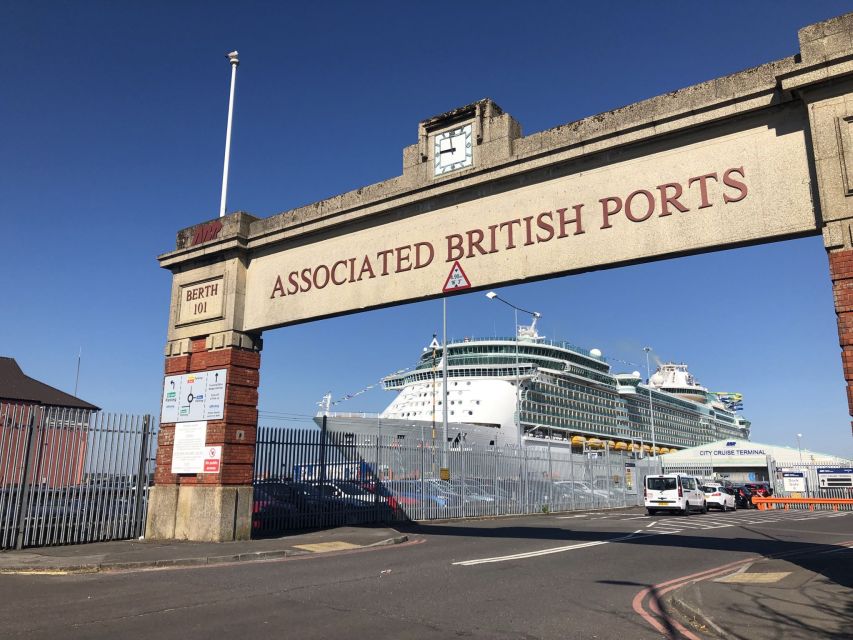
[749, 185]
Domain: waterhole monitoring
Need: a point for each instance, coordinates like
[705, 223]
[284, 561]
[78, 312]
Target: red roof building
[58, 449]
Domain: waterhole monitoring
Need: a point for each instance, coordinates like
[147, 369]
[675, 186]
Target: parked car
[674, 492]
[472, 491]
[348, 490]
[743, 497]
[274, 503]
[719, 496]
[429, 494]
[762, 489]
[584, 496]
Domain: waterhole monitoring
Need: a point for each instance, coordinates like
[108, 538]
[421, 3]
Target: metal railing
[803, 504]
[316, 478]
[70, 476]
[810, 478]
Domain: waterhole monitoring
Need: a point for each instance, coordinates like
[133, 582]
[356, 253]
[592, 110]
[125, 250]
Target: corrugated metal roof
[15, 386]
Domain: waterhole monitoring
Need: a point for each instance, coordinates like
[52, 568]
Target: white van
[674, 492]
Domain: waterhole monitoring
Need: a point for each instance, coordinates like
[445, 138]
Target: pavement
[804, 596]
[123, 555]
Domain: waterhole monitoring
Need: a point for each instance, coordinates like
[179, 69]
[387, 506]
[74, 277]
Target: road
[550, 576]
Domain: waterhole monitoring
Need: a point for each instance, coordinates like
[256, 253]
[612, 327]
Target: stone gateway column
[212, 506]
[826, 87]
[841, 272]
[205, 335]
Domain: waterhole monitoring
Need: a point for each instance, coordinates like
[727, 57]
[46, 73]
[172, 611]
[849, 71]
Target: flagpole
[232, 58]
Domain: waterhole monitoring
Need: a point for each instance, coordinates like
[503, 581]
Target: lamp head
[491, 295]
[232, 58]
[647, 349]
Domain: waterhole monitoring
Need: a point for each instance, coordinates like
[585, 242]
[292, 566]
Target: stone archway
[761, 155]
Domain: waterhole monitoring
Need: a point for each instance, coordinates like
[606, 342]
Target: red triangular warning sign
[457, 279]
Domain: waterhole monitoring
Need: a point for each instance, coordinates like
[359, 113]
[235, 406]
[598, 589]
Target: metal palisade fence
[307, 478]
[811, 480]
[69, 476]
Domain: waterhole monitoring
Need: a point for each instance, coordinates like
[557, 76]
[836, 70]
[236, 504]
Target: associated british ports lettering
[687, 196]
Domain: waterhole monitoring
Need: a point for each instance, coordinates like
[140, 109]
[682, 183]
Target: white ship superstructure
[566, 397]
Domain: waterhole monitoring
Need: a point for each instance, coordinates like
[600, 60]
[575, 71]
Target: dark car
[762, 489]
[275, 503]
[743, 497]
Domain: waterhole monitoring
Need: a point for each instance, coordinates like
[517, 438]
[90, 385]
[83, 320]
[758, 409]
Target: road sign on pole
[457, 279]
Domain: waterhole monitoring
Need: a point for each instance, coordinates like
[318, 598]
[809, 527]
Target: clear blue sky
[113, 120]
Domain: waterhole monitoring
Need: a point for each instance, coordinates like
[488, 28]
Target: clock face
[453, 149]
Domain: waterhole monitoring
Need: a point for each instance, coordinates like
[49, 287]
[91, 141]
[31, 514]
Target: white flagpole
[232, 58]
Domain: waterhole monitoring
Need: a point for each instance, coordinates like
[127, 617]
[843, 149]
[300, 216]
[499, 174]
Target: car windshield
[660, 484]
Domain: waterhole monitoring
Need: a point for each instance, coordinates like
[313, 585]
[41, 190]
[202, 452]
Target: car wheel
[704, 507]
[686, 510]
[651, 512]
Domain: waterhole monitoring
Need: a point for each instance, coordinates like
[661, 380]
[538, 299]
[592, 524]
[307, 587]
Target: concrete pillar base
[199, 513]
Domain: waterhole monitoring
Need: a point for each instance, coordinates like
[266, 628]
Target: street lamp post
[651, 407]
[799, 449]
[491, 295]
[444, 382]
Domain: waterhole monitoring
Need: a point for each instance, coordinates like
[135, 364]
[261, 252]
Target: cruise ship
[566, 397]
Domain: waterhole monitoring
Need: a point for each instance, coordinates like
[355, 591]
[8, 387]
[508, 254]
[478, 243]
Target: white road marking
[545, 552]
[651, 524]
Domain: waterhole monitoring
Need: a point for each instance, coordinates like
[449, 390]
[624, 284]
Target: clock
[453, 149]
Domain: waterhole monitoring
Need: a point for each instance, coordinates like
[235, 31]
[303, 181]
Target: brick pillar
[211, 506]
[841, 272]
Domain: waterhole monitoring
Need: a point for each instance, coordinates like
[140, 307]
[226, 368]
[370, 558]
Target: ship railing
[561, 344]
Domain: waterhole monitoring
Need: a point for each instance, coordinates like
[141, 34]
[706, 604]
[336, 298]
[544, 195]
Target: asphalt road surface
[551, 576]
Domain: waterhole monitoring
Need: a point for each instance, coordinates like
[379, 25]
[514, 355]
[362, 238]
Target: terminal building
[746, 461]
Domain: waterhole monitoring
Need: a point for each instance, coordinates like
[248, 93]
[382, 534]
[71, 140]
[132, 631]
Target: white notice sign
[194, 396]
[189, 451]
[794, 482]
